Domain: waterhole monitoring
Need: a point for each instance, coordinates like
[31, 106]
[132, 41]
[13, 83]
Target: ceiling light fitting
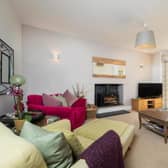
[145, 39]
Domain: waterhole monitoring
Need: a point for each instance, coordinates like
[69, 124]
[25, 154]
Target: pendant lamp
[145, 39]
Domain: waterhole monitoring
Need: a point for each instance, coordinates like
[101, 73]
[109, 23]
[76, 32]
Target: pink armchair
[76, 113]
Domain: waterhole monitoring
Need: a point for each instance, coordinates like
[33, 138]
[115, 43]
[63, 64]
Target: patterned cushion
[70, 98]
[50, 101]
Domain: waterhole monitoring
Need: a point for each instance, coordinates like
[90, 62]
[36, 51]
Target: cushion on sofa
[70, 137]
[70, 98]
[53, 146]
[50, 100]
[61, 99]
[18, 153]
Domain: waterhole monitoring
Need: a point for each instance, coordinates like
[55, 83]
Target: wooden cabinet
[91, 111]
[144, 104]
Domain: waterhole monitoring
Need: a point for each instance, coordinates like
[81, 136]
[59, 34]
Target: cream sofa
[94, 129]
[18, 153]
[91, 131]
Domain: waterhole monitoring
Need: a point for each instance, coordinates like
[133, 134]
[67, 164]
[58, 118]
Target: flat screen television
[149, 90]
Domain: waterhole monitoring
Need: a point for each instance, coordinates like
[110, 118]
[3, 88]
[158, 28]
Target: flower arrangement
[17, 93]
[15, 90]
[79, 91]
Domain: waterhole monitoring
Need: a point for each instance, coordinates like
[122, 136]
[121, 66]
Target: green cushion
[53, 146]
[70, 137]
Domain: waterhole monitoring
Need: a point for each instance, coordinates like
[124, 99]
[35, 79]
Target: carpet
[148, 149]
[108, 114]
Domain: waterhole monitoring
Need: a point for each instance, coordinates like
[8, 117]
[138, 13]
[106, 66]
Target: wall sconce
[145, 39]
[56, 55]
[141, 66]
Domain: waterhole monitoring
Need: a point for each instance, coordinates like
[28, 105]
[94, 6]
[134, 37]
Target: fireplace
[108, 94]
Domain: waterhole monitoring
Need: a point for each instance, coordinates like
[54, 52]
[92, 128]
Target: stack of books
[154, 126]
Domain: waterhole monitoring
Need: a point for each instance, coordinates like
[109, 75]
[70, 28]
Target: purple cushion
[50, 101]
[70, 98]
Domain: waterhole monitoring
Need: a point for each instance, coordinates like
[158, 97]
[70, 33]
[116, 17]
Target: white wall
[75, 65]
[157, 68]
[10, 32]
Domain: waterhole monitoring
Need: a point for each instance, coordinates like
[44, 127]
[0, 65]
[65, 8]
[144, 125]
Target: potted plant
[16, 91]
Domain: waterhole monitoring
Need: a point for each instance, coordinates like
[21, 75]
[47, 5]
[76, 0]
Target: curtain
[165, 80]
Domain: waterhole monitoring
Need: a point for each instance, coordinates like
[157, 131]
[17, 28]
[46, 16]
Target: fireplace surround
[108, 95]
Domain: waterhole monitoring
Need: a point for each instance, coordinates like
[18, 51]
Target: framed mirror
[108, 68]
[6, 66]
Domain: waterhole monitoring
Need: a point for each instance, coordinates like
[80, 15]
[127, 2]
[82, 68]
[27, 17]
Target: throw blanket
[106, 152]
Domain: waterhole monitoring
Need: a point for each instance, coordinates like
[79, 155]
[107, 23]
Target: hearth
[108, 94]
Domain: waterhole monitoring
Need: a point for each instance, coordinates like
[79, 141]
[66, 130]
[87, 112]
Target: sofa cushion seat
[85, 142]
[96, 128]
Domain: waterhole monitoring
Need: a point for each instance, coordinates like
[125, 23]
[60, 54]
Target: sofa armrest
[81, 102]
[79, 116]
[34, 99]
[62, 124]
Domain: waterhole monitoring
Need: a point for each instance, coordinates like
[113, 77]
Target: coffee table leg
[165, 133]
[140, 120]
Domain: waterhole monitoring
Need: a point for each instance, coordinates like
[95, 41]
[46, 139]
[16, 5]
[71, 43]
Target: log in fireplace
[108, 94]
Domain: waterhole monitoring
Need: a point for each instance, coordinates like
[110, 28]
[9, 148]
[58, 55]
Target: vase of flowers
[15, 90]
[79, 91]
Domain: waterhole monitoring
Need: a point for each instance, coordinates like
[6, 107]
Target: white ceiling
[112, 21]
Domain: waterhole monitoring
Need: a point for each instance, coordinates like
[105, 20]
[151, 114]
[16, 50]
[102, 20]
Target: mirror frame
[108, 68]
[6, 51]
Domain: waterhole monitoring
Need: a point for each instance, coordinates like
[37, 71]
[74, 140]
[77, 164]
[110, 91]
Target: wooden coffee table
[157, 116]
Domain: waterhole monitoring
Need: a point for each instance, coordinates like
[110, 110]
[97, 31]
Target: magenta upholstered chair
[75, 113]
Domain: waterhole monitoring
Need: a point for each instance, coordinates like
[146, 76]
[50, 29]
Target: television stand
[141, 104]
